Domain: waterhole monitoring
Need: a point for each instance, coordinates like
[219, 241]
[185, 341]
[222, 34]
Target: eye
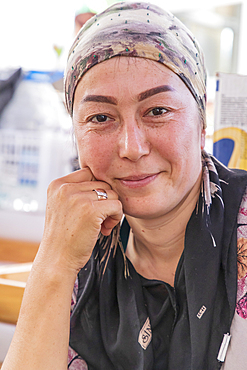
[100, 118]
[158, 111]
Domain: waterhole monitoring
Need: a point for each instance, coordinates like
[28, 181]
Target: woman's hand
[75, 216]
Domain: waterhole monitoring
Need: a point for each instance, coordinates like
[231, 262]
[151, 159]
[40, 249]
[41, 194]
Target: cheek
[172, 142]
[95, 152]
[180, 145]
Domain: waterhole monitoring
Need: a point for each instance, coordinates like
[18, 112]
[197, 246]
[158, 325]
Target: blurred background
[30, 32]
[36, 143]
[36, 140]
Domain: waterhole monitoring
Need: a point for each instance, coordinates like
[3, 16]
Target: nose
[133, 143]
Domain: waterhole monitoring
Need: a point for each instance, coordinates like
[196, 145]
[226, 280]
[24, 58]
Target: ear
[203, 138]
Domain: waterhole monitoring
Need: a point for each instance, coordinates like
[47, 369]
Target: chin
[142, 211]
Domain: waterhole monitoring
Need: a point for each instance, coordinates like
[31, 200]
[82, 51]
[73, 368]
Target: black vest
[188, 322]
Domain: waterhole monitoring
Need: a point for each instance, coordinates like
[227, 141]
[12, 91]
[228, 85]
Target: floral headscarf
[137, 29]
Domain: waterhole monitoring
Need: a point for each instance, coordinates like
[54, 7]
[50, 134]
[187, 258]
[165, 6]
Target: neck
[155, 246]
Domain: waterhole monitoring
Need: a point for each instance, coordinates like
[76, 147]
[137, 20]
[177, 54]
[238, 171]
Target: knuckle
[119, 205]
[52, 186]
[59, 190]
[64, 188]
[62, 192]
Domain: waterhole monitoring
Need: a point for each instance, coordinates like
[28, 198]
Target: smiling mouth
[138, 181]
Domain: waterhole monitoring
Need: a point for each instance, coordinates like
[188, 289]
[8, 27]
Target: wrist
[61, 256]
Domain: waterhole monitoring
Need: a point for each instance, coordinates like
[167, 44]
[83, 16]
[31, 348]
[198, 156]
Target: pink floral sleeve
[241, 307]
[75, 362]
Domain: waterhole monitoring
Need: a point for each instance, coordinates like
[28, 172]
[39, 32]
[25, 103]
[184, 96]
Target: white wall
[28, 30]
[242, 57]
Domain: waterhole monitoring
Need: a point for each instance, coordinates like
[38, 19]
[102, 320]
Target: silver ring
[101, 194]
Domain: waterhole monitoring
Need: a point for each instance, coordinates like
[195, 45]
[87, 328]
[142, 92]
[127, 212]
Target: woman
[163, 294]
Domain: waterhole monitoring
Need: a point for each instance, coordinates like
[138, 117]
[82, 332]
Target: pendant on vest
[223, 348]
[145, 334]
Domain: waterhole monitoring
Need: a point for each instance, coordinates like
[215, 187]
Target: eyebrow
[100, 99]
[142, 96]
[156, 90]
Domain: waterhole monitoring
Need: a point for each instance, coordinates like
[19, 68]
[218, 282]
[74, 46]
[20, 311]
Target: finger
[92, 185]
[108, 225]
[82, 175]
[82, 192]
[86, 192]
[112, 213]
[106, 230]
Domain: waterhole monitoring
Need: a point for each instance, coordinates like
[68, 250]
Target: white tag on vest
[145, 334]
[223, 348]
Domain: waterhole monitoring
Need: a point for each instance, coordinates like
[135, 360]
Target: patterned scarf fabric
[124, 321]
[137, 29]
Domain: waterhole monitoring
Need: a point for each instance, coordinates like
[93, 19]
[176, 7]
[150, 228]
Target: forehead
[131, 74]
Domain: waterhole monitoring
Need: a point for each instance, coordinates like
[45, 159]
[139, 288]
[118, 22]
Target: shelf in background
[15, 264]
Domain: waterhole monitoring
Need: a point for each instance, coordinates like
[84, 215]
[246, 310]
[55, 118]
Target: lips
[138, 180]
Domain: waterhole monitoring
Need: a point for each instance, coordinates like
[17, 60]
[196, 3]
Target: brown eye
[100, 118]
[157, 111]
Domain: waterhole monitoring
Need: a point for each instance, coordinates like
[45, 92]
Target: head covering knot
[137, 29]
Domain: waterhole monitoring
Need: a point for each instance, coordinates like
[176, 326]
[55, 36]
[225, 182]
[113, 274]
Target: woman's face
[137, 128]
